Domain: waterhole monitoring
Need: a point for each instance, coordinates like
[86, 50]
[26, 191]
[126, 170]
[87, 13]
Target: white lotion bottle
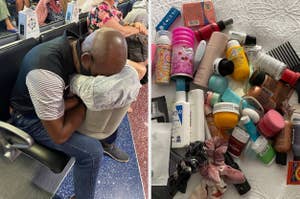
[180, 117]
[196, 100]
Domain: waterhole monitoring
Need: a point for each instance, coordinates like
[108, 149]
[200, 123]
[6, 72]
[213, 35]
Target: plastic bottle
[278, 90]
[205, 32]
[236, 53]
[181, 117]
[163, 57]
[264, 150]
[182, 53]
[250, 127]
[237, 141]
[196, 100]
[283, 142]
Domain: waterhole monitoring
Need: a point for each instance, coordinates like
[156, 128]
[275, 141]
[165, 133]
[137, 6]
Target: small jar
[264, 150]
[270, 124]
[226, 115]
[182, 53]
[217, 83]
[237, 141]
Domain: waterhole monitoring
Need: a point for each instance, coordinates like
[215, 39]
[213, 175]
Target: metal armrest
[15, 140]
[15, 136]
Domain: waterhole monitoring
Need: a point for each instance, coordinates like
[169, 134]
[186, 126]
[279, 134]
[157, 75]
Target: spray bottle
[181, 117]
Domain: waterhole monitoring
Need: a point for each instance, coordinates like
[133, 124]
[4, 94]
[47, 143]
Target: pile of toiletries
[256, 115]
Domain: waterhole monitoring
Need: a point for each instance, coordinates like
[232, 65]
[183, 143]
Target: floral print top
[100, 14]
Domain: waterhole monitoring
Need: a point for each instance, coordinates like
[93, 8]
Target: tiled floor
[138, 122]
[115, 180]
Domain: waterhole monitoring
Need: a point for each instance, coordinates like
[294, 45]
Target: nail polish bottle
[243, 187]
[205, 32]
[215, 48]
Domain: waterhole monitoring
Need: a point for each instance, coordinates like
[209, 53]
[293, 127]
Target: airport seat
[125, 7]
[56, 32]
[83, 29]
[12, 139]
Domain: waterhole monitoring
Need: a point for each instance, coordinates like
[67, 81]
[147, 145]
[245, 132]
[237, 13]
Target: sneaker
[115, 153]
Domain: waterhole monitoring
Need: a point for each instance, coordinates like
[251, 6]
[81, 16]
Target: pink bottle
[271, 124]
[182, 52]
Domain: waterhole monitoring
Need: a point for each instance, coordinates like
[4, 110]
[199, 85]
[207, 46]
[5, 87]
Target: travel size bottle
[243, 38]
[250, 127]
[278, 90]
[235, 52]
[163, 57]
[181, 117]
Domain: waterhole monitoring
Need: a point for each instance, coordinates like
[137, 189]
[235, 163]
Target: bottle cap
[180, 84]
[245, 119]
[226, 107]
[250, 40]
[163, 37]
[223, 66]
[281, 158]
[257, 78]
[252, 114]
[223, 23]
[218, 83]
[289, 76]
[232, 43]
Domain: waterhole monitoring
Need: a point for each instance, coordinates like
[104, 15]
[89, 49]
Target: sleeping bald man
[41, 109]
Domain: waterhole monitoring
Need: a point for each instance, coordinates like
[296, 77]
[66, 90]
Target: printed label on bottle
[177, 124]
[163, 63]
[182, 61]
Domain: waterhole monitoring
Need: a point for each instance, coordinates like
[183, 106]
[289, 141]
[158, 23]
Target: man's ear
[86, 60]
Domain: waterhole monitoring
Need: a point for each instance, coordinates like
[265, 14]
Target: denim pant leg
[87, 151]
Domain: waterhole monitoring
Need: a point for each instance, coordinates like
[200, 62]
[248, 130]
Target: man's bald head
[104, 52]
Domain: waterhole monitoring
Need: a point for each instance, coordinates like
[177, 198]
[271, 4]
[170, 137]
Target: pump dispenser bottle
[181, 117]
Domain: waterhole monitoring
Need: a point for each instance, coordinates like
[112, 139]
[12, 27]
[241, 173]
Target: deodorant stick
[215, 49]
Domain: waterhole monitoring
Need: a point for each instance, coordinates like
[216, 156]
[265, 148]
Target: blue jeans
[87, 151]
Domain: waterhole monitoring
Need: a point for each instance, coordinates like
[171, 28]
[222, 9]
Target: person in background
[4, 16]
[50, 10]
[106, 14]
[41, 105]
[20, 4]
